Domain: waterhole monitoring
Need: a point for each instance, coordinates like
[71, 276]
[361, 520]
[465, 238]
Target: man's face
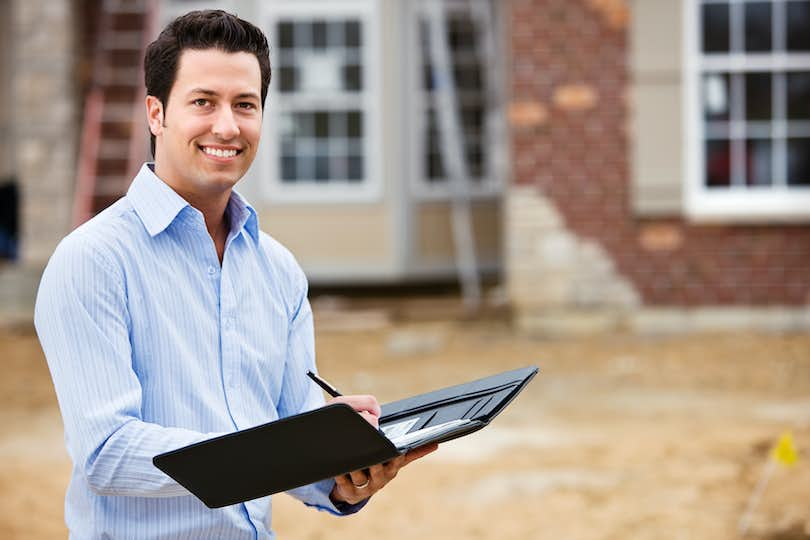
[206, 138]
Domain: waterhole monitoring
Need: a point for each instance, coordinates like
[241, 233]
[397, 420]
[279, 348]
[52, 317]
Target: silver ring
[361, 486]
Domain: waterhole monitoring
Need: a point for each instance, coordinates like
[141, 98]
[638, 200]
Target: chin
[221, 180]
[222, 184]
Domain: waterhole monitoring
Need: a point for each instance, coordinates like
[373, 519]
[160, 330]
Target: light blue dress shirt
[152, 345]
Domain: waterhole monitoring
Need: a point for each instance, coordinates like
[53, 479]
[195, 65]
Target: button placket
[230, 347]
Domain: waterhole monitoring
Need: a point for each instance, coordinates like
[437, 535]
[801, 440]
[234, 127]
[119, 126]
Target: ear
[154, 115]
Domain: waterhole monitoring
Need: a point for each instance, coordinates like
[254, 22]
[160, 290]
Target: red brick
[582, 164]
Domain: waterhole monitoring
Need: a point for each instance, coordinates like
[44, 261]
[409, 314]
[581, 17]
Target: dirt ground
[618, 437]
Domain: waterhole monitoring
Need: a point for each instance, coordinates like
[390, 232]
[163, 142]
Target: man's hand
[366, 406]
[360, 485]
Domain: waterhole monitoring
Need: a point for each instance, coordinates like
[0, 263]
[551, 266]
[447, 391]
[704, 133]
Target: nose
[225, 126]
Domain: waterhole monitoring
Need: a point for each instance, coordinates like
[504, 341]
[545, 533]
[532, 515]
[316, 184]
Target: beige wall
[433, 233]
[332, 234]
[657, 157]
[360, 243]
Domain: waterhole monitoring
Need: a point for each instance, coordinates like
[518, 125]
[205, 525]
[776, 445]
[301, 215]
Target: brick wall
[569, 116]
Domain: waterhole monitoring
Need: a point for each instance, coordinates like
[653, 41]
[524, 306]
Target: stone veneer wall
[557, 281]
[46, 119]
[44, 131]
[569, 115]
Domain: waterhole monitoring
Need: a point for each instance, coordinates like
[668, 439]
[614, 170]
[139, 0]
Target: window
[465, 34]
[321, 110]
[749, 89]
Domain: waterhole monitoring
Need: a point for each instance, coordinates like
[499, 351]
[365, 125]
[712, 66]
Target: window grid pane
[318, 58]
[758, 96]
[715, 26]
[798, 90]
[322, 146]
[758, 26]
[754, 120]
[758, 162]
[798, 22]
[798, 158]
[718, 163]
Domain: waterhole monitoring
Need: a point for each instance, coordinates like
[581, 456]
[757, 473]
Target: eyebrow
[206, 92]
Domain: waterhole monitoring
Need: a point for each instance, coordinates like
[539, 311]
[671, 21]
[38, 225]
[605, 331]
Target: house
[660, 164]
[631, 164]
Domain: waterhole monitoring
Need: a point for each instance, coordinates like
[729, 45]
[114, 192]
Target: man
[170, 318]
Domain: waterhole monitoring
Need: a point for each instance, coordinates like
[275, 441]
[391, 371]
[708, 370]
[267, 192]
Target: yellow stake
[784, 453]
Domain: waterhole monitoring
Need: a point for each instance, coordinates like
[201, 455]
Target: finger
[379, 475]
[370, 418]
[344, 482]
[346, 490]
[360, 403]
[419, 452]
[373, 406]
[394, 465]
[359, 478]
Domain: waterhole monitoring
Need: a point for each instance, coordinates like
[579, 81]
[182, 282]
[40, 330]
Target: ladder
[445, 103]
[113, 139]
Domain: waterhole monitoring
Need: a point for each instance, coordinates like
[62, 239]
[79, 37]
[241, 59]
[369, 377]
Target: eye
[247, 105]
[200, 102]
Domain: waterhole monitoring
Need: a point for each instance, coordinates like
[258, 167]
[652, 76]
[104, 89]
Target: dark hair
[207, 29]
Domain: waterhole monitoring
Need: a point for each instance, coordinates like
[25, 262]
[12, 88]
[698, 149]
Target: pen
[331, 390]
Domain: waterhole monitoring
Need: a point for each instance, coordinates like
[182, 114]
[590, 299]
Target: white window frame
[370, 188]
[491, 185]
[736, 203]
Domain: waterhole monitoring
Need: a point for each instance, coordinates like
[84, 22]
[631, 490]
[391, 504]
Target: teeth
[218, 152]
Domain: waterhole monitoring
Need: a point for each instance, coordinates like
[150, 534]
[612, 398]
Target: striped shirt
[153, 345]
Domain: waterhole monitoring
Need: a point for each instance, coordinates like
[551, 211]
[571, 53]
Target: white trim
[692, 120]
[777, 203]
[370, 188]
[769, 62]
[752, 205]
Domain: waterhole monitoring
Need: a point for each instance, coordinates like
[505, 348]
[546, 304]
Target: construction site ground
[618, 437]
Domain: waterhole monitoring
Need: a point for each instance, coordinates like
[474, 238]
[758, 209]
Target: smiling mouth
[220, 152]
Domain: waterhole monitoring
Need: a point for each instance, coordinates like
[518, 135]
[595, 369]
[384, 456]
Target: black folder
[333, 440]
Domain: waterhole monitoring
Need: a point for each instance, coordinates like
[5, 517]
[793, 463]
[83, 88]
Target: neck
[213, 211]
[212, 205]
[216, 220]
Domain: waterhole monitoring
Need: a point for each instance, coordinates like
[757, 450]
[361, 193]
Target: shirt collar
[158, 205]
[242, 216]
[154, 201]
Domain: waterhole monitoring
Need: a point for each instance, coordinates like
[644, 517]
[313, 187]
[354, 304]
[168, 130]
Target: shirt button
[211, 270]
